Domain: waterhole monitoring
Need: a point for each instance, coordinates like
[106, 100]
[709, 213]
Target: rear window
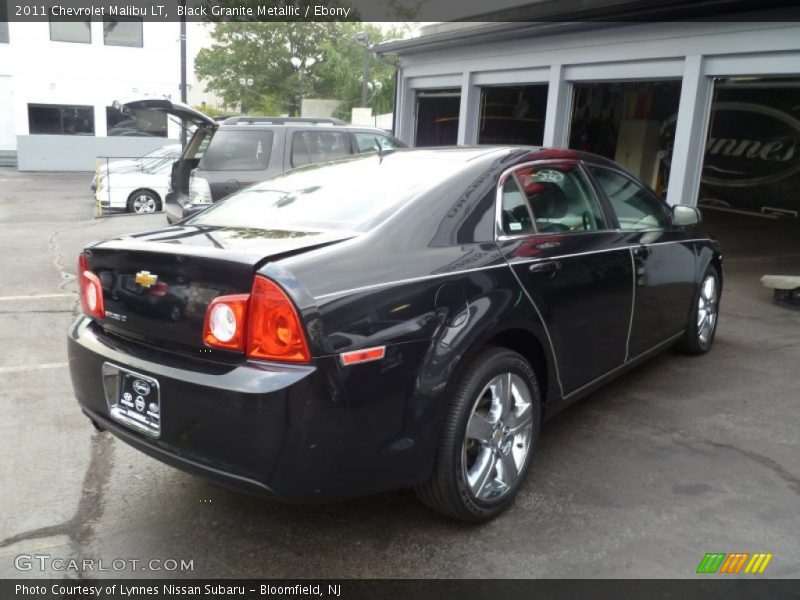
[353, 195]
[237, 150]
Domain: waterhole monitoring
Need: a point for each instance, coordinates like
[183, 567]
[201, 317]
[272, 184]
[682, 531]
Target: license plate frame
[135, 399]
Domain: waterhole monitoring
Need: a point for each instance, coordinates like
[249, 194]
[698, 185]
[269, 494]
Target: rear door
[555, 234]
[314, 145]
[662, 253]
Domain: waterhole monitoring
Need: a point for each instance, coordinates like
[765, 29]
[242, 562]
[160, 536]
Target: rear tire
[488, 438]
[142, 202]
[702, 327]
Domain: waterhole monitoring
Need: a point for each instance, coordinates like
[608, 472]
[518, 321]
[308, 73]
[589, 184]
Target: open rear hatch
[182, 111]
[157, 285]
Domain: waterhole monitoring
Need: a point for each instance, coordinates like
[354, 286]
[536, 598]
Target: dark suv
[221, 158]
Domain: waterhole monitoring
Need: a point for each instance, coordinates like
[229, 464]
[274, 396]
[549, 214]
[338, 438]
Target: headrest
[548, 201]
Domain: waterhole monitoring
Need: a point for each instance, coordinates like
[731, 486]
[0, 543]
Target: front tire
[702, 326]
[142, 202]
[487, 439]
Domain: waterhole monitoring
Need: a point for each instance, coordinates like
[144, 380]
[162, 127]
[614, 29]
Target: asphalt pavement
[682, 456]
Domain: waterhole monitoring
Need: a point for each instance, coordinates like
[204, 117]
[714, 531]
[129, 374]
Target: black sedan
[392, 320]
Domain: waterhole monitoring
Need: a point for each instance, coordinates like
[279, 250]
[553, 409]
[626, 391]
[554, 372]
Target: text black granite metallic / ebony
[397, 319]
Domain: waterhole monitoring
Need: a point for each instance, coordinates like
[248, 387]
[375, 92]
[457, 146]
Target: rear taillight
[91, 290]
[274, 331]
[263, 323]
[199, 190]
[225, 324]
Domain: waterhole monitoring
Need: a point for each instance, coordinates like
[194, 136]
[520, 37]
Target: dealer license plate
[137, 401]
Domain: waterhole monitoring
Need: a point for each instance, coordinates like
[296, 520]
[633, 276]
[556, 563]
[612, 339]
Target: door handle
[641, 252]
[550, 266]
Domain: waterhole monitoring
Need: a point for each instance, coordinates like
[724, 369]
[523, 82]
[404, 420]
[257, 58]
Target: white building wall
[691, 52]
[42, 71]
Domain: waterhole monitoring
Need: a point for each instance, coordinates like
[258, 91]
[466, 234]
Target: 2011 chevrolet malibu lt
[392, 320]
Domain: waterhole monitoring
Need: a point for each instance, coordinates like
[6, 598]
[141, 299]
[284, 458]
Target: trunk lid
[157, 285]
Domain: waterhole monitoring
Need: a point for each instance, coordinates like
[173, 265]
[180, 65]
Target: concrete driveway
[683, 456]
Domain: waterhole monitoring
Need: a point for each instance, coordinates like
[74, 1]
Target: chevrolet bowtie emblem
[146, 279]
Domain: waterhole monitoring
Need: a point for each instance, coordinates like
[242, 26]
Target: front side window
[55, 119]
[136, 122]
[372, 142]
[312, 147]
[559, 199]
[71, 31]
[238, 150]
[635, 206]
[123, 31]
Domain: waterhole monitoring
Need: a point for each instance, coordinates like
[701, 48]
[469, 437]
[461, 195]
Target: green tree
[287, 61]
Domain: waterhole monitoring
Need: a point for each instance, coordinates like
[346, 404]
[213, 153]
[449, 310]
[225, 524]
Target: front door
[663, 255]
[556, 238]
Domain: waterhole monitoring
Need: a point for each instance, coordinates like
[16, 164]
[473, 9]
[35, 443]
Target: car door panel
[663, 256]
[665, 284]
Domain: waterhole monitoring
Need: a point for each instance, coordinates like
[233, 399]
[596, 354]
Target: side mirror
[683, 214]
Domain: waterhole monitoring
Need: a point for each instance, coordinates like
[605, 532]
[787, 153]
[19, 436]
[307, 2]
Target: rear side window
[636, 207]
[372, 142]
[311, 147]
[515, 213]
[238, 150]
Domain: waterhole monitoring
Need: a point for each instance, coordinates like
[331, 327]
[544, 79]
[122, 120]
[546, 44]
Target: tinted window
[516, 216]
[60, 120]
[311, 147]
[238, 150]
[354, 195]
[71, 31]
[122, 31]
[635, 206]
[136, 122]
[560, 198]
[372, 142]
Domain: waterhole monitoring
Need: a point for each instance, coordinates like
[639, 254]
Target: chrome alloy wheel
[707, 310]
[498, 438]
[144, 203]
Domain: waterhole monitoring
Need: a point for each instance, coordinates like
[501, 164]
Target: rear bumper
[224, 422]
[299, 433]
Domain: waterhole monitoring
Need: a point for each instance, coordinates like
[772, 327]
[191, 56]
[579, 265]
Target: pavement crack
[90, 506]
[791, 480]
[58, 258]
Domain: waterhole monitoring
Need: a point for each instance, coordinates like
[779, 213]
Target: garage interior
[631, 123]
[437, 118]
[512, 114]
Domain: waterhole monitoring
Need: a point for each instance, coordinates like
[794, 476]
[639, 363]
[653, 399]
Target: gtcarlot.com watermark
[47, 562]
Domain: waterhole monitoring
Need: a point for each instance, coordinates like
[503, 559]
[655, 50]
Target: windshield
[350, 195]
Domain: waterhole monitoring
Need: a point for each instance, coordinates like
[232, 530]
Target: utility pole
[365, 83]
[183, 70]
[362, 39]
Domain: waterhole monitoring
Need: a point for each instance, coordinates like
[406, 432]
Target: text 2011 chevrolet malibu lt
[403, 319]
